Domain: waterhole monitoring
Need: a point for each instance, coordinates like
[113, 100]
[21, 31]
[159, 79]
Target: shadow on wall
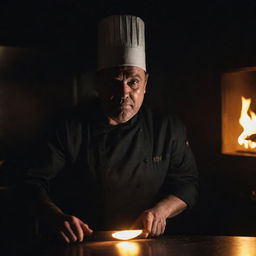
[34, 85]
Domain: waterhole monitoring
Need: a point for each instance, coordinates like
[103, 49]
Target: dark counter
[161, 246]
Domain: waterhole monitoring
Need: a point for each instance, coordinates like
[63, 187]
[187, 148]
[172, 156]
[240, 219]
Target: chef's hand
[70, 229]
[153, 220]
[65, 227]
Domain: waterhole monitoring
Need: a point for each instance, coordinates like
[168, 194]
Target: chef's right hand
[65, 227]
[71, 229]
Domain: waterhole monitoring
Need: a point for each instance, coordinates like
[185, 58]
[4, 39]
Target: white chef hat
[121, 42]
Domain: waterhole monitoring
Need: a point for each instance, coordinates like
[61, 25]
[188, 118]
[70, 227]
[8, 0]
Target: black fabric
[107, 175]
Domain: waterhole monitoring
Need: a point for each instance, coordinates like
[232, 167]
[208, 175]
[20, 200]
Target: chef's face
[121, 90]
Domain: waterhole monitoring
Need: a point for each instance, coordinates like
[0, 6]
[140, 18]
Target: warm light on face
[126, 234]
[248, 122]
[128, 248]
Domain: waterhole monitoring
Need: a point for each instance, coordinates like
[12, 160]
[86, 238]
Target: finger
[69, 232]
[154, 229]
[78, 231]
[64, 238]
[86, 229]
[163, 225]
[145, 233]
[159, 228]
[147, 224]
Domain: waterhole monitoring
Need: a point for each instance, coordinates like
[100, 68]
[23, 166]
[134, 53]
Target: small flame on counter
[127, 234]
[248, 122]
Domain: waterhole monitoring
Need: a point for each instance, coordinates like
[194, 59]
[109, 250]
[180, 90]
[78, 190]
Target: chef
[114, 163]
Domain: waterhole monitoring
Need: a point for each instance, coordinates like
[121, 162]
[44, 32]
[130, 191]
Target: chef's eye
[134, 83]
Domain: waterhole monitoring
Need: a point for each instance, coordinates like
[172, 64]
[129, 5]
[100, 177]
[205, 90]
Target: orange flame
[248, 122]
[127, 234]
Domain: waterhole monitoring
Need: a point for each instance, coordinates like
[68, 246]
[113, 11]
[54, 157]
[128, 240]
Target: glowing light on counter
[128, 249]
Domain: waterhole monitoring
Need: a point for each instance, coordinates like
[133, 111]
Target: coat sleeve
[50, 159]
[182, 177]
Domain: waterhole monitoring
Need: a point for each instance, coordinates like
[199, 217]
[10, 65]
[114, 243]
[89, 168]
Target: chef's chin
[122, 116]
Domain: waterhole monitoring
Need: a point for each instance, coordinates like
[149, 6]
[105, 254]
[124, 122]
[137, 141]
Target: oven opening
[238, 102]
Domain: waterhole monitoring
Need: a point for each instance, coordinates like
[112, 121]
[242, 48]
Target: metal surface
[105, 236]
[127, 234]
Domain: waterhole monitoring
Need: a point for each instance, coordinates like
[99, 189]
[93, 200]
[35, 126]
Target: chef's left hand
[153, 221]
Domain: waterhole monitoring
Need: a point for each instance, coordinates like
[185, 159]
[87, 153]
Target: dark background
[189, 45]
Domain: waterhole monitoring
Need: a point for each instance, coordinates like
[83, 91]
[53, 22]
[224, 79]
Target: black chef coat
[107, 175]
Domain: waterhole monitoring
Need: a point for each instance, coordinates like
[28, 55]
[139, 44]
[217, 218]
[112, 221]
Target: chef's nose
[123, 88]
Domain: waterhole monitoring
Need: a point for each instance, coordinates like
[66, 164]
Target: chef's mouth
[121, 101]
[122, 105]
[125, 106]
